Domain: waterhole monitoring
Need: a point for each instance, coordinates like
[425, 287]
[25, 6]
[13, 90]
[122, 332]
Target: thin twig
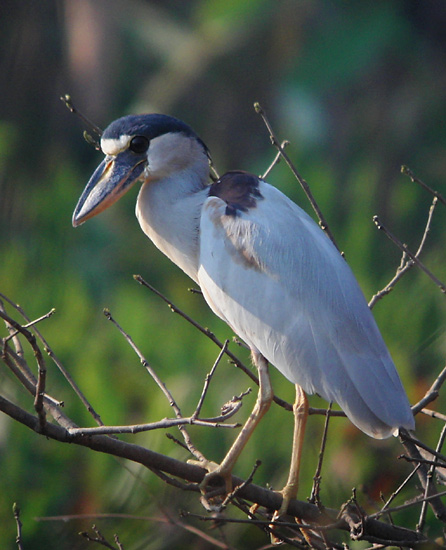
[276, 159]
[40, 390]
[174, 482]
[32, 323]
[66, 99]
[236, 361]
[430, 476]
[192, 449]
[406, 505]
[22, 372]
[240, 343]
[398, 491]
[164, 424]
[322, 222]
[411, 444]
[324, 412]
[40, 386]
[58, 364]
[167, 518]
[263, 524]
[405, 265]
[198, 532]
[267, 523]
[432, 393]
[211, 336]
[374, 529]
[231, 496]
[412, 256]
[422, 461]
[99, 538]
[408, 172]
[314, 498]
[16, 512]
[118, 542]
[51, 405]
[421, 445]
[208, 379]
[17, 343]
[434, 414]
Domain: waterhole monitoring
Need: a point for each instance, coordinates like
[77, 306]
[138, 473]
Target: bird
[265, 267]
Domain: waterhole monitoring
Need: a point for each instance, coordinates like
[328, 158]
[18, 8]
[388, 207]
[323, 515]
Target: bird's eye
[139, 144]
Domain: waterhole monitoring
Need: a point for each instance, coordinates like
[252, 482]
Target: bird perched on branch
[264, 267]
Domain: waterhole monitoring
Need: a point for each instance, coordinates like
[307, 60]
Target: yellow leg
[263, 402]
[300, 410]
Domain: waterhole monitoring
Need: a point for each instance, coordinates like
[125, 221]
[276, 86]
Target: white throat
[170, 200]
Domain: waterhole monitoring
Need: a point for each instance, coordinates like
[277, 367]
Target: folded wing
[270, 272]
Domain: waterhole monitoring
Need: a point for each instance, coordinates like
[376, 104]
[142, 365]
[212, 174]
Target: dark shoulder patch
[240, 191]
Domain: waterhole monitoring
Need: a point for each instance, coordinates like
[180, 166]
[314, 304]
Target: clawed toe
[288, 493]
[214, 471]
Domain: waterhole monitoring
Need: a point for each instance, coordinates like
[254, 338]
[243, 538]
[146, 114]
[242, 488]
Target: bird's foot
[214, 471]
[220, 472]
[288, 493]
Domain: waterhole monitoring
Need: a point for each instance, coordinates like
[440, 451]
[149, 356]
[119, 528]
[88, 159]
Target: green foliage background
[357, 87]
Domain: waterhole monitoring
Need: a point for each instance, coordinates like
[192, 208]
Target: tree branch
[373, 529]
[300, 179]
[406, 250]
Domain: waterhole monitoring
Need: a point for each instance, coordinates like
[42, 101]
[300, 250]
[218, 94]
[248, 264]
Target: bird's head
[138, 147]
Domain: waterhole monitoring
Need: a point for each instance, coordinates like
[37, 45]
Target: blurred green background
[358, 88]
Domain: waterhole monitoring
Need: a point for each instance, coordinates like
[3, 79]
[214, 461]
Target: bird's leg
[300, 410]
[263, 402]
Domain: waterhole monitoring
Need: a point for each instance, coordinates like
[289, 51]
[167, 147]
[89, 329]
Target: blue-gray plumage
[264, 266]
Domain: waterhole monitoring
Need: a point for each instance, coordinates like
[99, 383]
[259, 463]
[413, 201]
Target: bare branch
[314, 498]
[284, 404]
[413, 502]
[276, 159]
[421, 445]
[435, 502]
[408, 172]
[405, 264]
[22, 372]
[208, 378]
[164, 424]
[406, 250]
[430, 477]
[431, 394]
[231, 496]
[392, 497]
[32, 323]
[300, 179]
[422, 461]
[66, 99]
[58, 363]
[118, 542]
[40, 386]
[373, 529]
[434, 414]
[192, 449]
[99, 538]
[211, 336]
[16, 512]
[314, 520]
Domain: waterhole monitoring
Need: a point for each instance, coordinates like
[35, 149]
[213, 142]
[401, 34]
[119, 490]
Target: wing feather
[277, 280]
